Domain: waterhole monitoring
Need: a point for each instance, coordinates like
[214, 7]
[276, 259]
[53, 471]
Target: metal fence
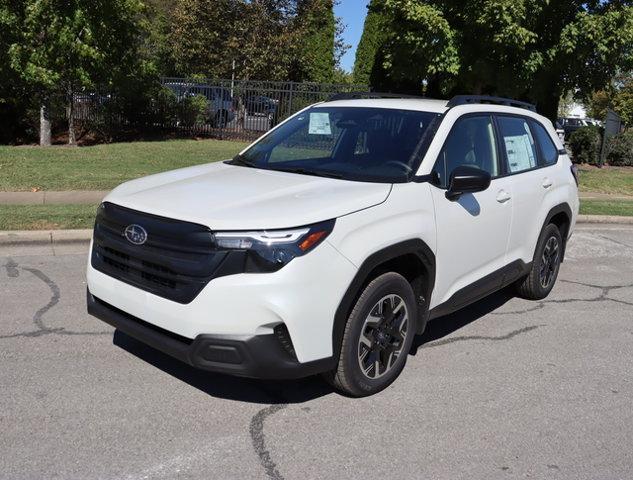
[220, 108]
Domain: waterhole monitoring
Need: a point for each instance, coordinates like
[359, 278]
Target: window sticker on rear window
[319, 124]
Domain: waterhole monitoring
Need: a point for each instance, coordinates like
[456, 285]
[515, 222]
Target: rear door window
[518, 142]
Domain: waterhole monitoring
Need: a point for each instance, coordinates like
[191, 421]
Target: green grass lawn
[612, 180]
[102, 167]
[46, 217]
[607, 207]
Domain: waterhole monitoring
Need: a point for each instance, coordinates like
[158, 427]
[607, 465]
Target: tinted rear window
[549, 152]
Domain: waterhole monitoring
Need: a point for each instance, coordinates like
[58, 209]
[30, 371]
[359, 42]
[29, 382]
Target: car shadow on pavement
[225, 386]
[443, 326]
[293, 391]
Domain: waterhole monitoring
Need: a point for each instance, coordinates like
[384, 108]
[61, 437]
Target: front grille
[176, 262]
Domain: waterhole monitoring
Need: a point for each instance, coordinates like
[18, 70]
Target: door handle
[547, 183]
[503, 196]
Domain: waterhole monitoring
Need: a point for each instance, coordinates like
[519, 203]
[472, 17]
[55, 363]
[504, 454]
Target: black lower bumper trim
[254, 356]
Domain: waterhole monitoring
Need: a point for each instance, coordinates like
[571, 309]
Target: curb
[44, 237]
[612, 219]
[57, 237]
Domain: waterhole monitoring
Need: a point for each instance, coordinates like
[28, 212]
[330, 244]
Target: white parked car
[326, 245]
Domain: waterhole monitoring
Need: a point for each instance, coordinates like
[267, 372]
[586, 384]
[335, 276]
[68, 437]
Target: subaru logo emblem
[135, 234]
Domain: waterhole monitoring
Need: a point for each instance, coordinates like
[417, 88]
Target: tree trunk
[72, 139]
[45, 126]
[546, 94]
[547, 105]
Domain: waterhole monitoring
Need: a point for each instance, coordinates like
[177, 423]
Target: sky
[353, 13]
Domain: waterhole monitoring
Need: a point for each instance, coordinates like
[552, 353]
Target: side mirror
[467, 180]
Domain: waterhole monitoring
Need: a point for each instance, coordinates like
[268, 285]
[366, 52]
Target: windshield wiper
[240, 161]
[304, 171]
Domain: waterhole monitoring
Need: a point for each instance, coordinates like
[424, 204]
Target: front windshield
[352, 143]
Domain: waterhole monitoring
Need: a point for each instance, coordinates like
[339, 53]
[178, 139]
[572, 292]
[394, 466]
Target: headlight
[269, 250]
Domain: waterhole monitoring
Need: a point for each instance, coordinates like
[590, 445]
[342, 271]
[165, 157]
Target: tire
[385, 313]
[545, 265]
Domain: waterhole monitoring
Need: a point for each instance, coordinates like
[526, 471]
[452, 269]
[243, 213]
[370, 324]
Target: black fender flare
[414, 246]
[560, 208]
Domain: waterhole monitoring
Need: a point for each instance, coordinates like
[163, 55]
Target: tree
[316, 58]
[297, 40]
[340, 48]
[203, 36]
[156, 26]
[618, 96]
[370, 42]
[598, 104]
[526, 49]
[14, 92]
[623, 101]
[566, 104]
[69, 45]
[259, 36]
[268, 40]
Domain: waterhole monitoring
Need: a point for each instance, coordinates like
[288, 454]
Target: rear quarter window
[549, 152]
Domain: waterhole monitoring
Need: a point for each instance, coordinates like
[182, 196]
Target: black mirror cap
[465, 179]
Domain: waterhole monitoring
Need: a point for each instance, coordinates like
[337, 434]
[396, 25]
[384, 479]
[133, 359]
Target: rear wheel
[545, 265]
[377, 338]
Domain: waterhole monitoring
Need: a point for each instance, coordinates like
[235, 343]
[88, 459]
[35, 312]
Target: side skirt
[482, 288]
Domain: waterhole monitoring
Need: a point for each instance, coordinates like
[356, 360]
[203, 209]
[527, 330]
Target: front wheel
[377, 338]
[545, 265]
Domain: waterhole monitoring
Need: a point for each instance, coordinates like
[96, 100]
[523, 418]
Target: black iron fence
[231, 109]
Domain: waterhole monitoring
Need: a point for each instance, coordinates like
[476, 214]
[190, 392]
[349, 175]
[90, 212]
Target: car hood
[227, 197]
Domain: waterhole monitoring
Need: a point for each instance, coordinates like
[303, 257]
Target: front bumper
[254, 356]
[247, 305]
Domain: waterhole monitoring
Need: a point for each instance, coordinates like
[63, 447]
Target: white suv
[329, 243]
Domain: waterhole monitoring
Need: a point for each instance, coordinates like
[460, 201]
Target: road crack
[12, 269]
[602, 297]
[258, 439]
[467, 338]
[616, 241]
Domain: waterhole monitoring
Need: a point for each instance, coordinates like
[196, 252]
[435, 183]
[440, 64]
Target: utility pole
[232, 78]
[45, 125]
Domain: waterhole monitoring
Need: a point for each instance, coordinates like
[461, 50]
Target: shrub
[165, 107]
[620, 150]
[585, 145]
[194, 110]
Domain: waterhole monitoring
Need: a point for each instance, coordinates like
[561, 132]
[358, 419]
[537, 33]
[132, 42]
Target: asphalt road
[505, 389]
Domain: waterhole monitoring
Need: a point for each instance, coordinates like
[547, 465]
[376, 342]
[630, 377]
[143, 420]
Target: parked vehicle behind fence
[261, 105]
[570, 124]
[221, 107]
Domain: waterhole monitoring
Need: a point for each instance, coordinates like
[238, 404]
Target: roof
[418, 104]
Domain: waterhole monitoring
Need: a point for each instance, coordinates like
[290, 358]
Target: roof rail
[368, 95]
[469, 99]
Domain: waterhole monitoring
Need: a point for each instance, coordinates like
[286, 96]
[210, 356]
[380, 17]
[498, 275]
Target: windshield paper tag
[319, 124]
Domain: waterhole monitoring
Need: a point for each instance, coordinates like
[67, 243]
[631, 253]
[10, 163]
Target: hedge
[585, 145]
[620, 150]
